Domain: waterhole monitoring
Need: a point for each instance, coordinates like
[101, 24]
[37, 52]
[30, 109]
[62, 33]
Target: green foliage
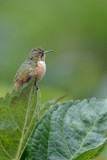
[17, 120]
[70, 131]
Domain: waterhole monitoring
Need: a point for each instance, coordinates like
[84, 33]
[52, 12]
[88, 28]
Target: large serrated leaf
[17, 119]
[70, 130]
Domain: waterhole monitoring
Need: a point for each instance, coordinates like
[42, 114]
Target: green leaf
[45, 106]
[18, 115]
[70, 131]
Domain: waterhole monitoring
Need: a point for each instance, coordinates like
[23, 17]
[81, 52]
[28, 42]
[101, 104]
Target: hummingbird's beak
[48, 51]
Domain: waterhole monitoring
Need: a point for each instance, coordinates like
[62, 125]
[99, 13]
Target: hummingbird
[33, 66]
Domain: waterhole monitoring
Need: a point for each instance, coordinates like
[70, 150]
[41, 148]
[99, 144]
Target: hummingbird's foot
[36, 87]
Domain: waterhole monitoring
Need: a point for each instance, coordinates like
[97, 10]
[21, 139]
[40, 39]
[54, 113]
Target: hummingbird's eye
[42, 54]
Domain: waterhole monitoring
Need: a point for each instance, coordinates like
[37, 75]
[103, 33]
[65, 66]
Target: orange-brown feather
[21, 82]
[39, 72]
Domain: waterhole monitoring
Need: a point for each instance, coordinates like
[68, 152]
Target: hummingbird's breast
[40, 70]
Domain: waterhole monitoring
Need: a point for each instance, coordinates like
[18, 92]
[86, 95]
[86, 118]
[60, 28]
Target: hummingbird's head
[37, 54]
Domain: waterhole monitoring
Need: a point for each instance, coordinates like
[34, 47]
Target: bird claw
[36, 87]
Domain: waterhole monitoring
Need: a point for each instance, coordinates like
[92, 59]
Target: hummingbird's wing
[24, 73]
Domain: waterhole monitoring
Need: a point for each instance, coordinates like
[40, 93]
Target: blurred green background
[75, 30]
